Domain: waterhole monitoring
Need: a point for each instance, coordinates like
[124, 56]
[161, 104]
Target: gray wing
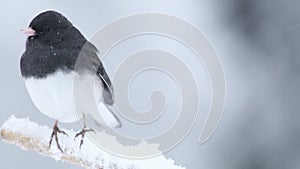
[90, 61]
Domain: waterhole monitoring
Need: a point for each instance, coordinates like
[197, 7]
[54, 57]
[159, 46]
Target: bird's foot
[55, 131]
[82, 134]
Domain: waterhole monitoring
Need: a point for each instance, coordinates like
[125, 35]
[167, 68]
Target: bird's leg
[83, 131]
[54, 134]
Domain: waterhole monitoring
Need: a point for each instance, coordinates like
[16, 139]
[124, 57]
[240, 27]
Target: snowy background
[257, 42]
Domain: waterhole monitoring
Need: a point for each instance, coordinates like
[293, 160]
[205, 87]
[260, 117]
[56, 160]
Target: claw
[62, 132]
[54, 134]
[82, 133]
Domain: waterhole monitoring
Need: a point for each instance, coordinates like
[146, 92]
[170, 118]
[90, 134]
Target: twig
[31, 136]
[29, 143]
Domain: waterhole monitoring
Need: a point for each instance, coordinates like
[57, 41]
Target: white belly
[56, 95]
[53, 96]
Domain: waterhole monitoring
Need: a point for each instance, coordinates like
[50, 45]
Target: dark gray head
[49, 22]
[48, 27]
[53, 43]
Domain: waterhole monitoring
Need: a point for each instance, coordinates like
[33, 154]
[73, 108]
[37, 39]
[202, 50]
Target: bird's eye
[47, 29]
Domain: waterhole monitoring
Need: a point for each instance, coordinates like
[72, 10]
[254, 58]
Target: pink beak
[28, 31]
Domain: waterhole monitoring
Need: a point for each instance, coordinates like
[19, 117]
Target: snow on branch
[31, 136]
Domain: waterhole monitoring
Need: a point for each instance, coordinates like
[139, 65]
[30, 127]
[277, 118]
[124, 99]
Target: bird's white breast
[53, 95]
[56, 95]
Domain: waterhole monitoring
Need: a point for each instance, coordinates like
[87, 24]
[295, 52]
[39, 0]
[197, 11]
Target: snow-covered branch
[31, 136]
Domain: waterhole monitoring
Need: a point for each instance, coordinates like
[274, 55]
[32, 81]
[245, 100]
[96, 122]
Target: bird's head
[49, 22]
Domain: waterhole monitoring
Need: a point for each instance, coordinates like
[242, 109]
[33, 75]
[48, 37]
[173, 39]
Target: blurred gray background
[257, 42]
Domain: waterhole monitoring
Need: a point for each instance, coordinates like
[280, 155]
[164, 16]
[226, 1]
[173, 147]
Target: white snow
[90, 151]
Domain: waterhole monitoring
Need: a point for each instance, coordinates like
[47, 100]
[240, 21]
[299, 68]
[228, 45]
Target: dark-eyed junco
[48, 68]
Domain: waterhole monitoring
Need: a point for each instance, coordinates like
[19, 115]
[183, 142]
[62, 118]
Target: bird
[48, 67]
